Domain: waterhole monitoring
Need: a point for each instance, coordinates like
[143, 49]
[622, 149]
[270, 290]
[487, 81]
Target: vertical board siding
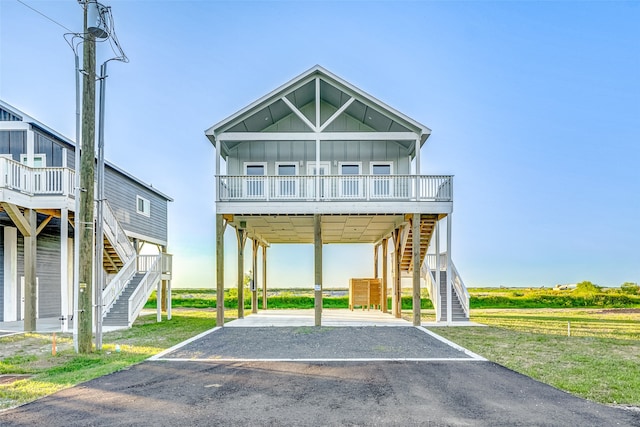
[47, 270]
[121, 193]
[1, 274]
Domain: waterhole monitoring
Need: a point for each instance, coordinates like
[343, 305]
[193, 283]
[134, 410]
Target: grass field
[599, 361]
[31, 354]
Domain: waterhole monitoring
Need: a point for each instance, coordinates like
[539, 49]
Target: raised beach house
[320, 161]
[37, 203]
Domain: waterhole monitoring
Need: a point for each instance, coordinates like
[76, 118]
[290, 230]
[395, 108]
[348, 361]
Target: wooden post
[264, 277]
[220, 226]
[449, 272]
[317, 246]
[242, 238]
[30, 291]
[384, 275]
[254, 276]
[396, 303]
[375, 261]
[438, 303]
[87, 179]
[416, 268]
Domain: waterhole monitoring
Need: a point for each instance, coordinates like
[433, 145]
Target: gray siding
[1, 274]
[47, 269]
[121, 194]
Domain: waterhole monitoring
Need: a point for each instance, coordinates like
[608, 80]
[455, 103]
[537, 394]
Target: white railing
[116, 235]
[36, 181]
[117, 284]
[151, 266]
[335, 187]
[434, 291]
[459, 287]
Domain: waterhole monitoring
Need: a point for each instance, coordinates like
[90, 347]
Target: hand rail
[456, 280]
[117, 284]
[150, 264]
[429, 278]
[116, 234]
[433, 188]
[36, 181]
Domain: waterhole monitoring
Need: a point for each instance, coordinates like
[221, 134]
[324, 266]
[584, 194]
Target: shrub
[587, 287]
[630, 288]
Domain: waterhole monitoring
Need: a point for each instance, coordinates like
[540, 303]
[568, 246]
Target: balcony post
[217, 177]
[375, 260]
[438, 302]
[396, 305]
[418, 169]
[449, 314]
[254, 275]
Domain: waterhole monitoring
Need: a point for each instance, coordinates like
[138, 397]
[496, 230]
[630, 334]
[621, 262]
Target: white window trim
[265, 187]
[371, 164]
[375, 180]
[25, 157]
[359, 182]
[146, 206]
[287, 177]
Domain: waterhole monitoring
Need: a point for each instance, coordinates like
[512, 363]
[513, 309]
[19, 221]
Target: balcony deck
[50, 187]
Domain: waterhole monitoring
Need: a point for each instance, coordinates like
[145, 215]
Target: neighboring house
[37, 181]
[320, 161]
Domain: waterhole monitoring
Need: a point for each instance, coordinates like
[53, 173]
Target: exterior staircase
[427, 225]
[118, 315]
[458, 313]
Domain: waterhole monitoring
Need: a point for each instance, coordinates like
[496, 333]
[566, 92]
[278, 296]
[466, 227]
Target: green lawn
[599, 361]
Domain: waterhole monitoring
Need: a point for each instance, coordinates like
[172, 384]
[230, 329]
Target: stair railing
[151, 265]
[429, 277]
[116, 235]
[117, 284]
[460, 288]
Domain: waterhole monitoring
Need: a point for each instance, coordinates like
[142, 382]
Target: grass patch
[66, 369]
[599, 361]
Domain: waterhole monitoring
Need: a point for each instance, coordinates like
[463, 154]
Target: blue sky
[534, 107]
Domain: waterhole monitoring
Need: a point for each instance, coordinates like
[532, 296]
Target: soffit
[334, 228]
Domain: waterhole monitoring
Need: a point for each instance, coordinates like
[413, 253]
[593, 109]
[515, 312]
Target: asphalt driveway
[354, 377]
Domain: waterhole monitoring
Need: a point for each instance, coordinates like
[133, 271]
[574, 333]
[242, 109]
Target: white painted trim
[311, 136]
[182, 344]
[298, 113]
[146, 206]
[10, 274]
[337, 114]
[64, 267]
[335, 207]
[469, 353]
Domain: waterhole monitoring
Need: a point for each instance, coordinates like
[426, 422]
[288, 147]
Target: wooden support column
[375, 261]
[264, 277]
[242, 238]
[254, 276]
[317, 246]
[385, 263]
[396, 302]
[30, 291]
[220, 226]
[415, 223]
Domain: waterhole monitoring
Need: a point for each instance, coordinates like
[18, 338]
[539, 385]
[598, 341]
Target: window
[143, 206]
[254, 182]
[39, 160]
[287, 187]
[351, 182]
[380, 183]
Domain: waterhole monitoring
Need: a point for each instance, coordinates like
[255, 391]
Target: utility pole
[87, 163]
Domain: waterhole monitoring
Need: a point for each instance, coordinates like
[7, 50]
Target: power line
[40, 13]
